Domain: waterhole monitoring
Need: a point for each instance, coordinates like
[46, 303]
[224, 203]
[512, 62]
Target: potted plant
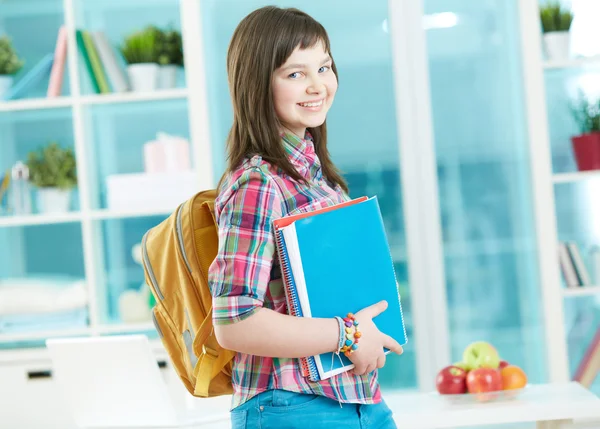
[169, 57]
[556, 23]
[139, 51]
[52, 169]
[9, 64]
[586, 145]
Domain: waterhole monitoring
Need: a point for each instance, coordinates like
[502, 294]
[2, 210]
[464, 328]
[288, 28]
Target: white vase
[6, 82]
[143, 77]
[53, 200]
[167, 76]
[557, 45]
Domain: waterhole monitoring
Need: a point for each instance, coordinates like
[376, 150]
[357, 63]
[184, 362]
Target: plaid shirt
[245, 275]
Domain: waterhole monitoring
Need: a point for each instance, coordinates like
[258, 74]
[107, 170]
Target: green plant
[52, 166]
[555, 17]
[170, 47]
[141, 46]
[9, 60]
[586, 114]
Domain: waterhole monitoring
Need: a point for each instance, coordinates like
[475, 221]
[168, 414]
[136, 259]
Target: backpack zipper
[149, 268]
[157, 326]
[180, 239]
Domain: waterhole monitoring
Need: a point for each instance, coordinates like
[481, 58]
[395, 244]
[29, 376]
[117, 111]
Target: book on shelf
[31, 79]
[108, 58]
[337, 260]
[101, 62]
[58, 67]
[572, 265]
[589, 366]
[51, 66]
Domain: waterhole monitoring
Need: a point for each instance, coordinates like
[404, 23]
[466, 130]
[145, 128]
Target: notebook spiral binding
[288, 280]
[307, 365]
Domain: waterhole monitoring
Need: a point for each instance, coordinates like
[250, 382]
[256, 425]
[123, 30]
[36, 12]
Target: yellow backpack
[176, 255]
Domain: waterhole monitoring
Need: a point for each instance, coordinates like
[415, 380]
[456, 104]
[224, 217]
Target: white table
[551, 406]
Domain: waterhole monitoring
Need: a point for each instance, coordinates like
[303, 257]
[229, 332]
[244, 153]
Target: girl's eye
[323, 69]
[295, 75]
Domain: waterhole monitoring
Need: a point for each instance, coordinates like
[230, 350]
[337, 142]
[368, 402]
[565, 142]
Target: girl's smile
[313, 106]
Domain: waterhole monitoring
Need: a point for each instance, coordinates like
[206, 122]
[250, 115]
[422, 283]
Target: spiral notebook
[331, 260]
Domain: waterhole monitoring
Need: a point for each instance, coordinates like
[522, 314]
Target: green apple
[461, 365]
[481, 354]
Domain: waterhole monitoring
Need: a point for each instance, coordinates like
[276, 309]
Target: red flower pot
[586, 149]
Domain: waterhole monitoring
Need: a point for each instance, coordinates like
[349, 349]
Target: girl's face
[304, 88]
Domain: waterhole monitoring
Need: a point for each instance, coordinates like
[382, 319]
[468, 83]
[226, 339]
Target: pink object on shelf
[167, 154]
[58, 67]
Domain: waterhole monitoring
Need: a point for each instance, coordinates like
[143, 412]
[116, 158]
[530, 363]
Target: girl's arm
[271, 334]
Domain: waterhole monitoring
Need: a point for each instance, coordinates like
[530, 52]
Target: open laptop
[115, 381]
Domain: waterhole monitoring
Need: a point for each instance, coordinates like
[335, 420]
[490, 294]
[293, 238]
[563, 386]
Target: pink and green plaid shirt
[245, 275]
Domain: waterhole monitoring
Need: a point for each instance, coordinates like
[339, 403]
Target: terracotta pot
[586, 148]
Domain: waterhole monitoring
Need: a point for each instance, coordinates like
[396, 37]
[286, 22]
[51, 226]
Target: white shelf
[35, 104]
[581, 291]
[40, 219]
[42, 335]
[575, 177]
[122, 214]
[126, 328]
[61, 102]
[134, 97]
[51, 219]
[572, 63]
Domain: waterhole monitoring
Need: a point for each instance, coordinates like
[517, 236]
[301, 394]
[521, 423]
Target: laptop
[116, 382]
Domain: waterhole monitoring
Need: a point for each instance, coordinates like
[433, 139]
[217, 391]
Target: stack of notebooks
[334, 261]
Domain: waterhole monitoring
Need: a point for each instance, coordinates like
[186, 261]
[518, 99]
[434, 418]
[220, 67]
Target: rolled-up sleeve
[240, 274]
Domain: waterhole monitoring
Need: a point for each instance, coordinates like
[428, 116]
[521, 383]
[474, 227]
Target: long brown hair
[261, 43]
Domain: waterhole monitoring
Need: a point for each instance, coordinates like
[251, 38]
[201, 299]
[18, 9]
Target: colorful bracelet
[351, 335]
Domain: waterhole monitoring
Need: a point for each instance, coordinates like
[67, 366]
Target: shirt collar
[297, 148]
[301, 153]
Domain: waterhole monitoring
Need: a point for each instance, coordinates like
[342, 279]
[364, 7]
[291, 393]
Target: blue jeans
[280, 409]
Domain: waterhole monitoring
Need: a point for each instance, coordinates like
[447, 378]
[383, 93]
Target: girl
[283, 81]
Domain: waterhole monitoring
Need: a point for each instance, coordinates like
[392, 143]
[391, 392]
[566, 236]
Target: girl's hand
[369, 354]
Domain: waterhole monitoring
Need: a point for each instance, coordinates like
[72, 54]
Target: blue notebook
[29, 81]
[338, 262]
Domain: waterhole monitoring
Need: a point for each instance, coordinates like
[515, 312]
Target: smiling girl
[283, 81]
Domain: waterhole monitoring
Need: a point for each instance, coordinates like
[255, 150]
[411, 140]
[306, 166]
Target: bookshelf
[107, 132]
[564, 198]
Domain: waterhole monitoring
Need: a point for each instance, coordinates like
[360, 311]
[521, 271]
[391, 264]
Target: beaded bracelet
[352, 335]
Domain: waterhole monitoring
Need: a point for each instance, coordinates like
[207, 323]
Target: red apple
[502, 364]
[482, 380]
[451, 380]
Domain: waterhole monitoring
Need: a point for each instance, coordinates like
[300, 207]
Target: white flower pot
[53, 200]
[143, 77]
[167, 76]
[557, 45]
[6, 82]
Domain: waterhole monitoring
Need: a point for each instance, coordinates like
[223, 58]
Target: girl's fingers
[393, 345]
